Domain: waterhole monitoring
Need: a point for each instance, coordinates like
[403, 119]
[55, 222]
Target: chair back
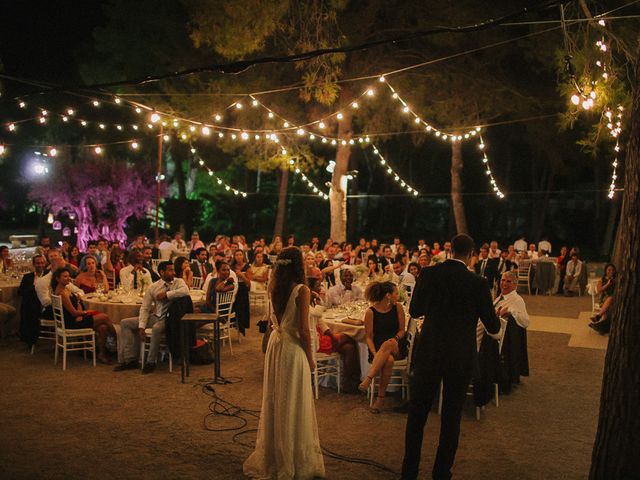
[411, 335]
[196, 283]
[224, 303]
[523, 268]
[58, 312]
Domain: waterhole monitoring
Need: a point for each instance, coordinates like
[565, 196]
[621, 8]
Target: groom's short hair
[462, 244]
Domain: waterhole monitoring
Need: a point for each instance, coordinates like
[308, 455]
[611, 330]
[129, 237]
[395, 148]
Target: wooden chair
[72, 340]
[524, 275]
[47, 332]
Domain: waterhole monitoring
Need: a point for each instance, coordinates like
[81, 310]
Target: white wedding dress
[288, 446]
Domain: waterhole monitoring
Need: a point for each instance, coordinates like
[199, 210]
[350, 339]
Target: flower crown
[283, 261]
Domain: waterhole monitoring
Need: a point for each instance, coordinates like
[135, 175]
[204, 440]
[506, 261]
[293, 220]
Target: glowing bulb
[98, 150]
[206, 131]
[300, 131]
[42, 119]
[575, 99]
[96, 103]
[381, 79]
[138, 110]
[339, 116]
[102, 126]
[371, 92]
[254, 103]
[417, 120]
[244, 136]
[83, 123]
[238, 105]
[593, 94]
[119, 127]
[53, 152]
[12, 127]
[117, 100]
[586, 105]
[2, 149]
[166, 138]
[481, 146]
[135, 127]
[70, 111]
[286, 124]
[270, 115]
[154, 117]
[134, 145]
[321, 125]
[22, 105]
[354, 105]
[405, 109]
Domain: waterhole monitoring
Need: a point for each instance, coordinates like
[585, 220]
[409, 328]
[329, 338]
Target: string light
[212, 174]
[308, 183]
[485, 161]
[615, 129]
[403, 184]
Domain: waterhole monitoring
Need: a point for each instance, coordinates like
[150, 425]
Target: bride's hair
[289, 271]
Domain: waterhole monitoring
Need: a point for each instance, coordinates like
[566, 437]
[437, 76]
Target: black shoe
[148, 368]
[132, 365]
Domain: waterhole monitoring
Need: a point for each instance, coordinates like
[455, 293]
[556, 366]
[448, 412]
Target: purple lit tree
[102, 194]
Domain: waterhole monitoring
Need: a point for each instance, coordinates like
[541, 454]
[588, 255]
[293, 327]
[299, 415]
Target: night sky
[42, 39]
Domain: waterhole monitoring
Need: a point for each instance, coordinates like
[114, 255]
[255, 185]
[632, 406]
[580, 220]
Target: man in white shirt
[446, 253]
[180, 247]
[346, 292]
[544, 247]
[153, 312]
[494, 251]
[43, 283]
[533, 255]
[520, 245]
[165, 249]
[510, 303]
[572, 275]
[134, 275]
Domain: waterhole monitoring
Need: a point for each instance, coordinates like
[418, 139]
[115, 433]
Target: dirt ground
[94, 423]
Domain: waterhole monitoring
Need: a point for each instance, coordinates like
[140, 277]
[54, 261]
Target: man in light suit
[451, 298]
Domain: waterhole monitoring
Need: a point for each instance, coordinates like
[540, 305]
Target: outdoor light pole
[158, 173]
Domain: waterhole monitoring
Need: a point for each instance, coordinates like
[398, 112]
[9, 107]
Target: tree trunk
[281, 213]
[338, 192]
[456, 188]
[614, 206]
[615, 452]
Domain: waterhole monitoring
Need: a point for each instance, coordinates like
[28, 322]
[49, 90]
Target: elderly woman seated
[329, 342]
[601, 322]
[346, 292]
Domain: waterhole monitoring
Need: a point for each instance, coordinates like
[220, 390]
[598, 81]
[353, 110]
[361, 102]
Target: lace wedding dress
[288, 446]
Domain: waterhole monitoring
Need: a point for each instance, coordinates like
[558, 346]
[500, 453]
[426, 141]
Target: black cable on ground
[219, 406]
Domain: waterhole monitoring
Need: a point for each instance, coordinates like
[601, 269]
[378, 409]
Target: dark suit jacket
[490, 270]
[154, 276]
[451, 298]
[29, 310]
[195, 268]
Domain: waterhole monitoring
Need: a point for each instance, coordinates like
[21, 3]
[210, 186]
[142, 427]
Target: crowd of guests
[233, 264]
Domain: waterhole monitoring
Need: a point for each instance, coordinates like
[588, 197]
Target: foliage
[102, 197]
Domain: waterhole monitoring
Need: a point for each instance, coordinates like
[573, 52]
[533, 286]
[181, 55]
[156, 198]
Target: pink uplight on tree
[102, 194]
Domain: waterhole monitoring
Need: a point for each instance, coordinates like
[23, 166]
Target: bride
[288, 446]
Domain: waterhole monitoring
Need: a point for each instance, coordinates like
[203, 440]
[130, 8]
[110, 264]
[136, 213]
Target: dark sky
[40, 39]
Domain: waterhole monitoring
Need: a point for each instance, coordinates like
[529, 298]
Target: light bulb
[154, 117]
[321, 125]
[96, 103]
[339, 116]
[98, 150]
[270, 115]
[575, 99]
[238, 105]
[206, 131]
[53, 152]
[134, 145]
[117, 100]
[371, 92]
[254, 103]
[218, 117]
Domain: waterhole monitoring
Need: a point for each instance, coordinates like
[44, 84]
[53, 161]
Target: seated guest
[424, 260]
[544, 246]
[223, 282]
[134, 275]
[510, 307]
[76, 317]
[486, 267]
[147, 255]
[115, 263]
[533, 255]
[384, 324]
[572, 275]
[30, 305]
[311, 266]
[195, 245]
[201, 267]
[259, 272]
[601, 322]
[153, 313]
[373, 269]
[165, 249]
[90, 277]
[494, 251]
[435, 250]
[504, 264]
[180, 247]
[328, 266]
[345, 293]
[414, 269]
[92, 249]
[241, 303]
[74, 256]
[6, 264]
[43, 283]
[183, 270]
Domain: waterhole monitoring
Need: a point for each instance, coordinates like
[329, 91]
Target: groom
[451, 298]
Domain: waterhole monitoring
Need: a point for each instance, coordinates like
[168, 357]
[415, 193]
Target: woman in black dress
[76, 317]
[241, 306]
[384, 324]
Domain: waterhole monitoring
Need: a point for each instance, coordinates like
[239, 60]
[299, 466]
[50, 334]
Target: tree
[617, 443]
[101, 198]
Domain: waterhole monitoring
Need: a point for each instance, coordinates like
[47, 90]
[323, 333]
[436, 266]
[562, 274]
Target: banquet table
[123, 305]
[9, 290]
